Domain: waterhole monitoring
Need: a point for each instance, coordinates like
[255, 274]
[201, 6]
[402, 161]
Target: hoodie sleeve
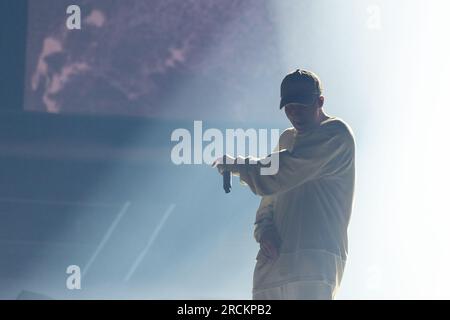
[312, 157]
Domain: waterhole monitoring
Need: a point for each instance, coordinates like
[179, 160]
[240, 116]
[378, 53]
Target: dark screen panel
[159, 58]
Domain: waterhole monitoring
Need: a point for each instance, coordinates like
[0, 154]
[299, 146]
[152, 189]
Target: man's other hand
[270, 243]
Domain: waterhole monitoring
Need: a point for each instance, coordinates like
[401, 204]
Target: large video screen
[158, 58]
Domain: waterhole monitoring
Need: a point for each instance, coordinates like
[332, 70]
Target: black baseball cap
[300, 86]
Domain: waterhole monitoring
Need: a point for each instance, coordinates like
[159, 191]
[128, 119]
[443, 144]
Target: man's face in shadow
[304, 117]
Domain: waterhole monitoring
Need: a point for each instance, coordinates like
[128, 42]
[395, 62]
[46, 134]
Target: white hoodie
[308, 202]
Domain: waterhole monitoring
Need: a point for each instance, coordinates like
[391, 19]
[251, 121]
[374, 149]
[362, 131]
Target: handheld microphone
[226, 179]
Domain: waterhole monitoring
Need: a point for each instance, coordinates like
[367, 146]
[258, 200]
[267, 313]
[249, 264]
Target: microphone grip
[227, 181]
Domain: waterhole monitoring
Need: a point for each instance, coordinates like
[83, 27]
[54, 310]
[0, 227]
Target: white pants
[297, 290]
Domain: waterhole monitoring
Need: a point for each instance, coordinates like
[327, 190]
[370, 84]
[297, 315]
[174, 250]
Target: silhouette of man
[301, 223]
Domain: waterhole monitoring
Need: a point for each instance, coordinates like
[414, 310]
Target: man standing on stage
[301, 223]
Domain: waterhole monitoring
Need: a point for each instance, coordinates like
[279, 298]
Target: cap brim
[307, 101]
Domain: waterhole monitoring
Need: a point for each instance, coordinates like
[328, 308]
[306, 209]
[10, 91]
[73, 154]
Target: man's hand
[270, 243]
[221, 166]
